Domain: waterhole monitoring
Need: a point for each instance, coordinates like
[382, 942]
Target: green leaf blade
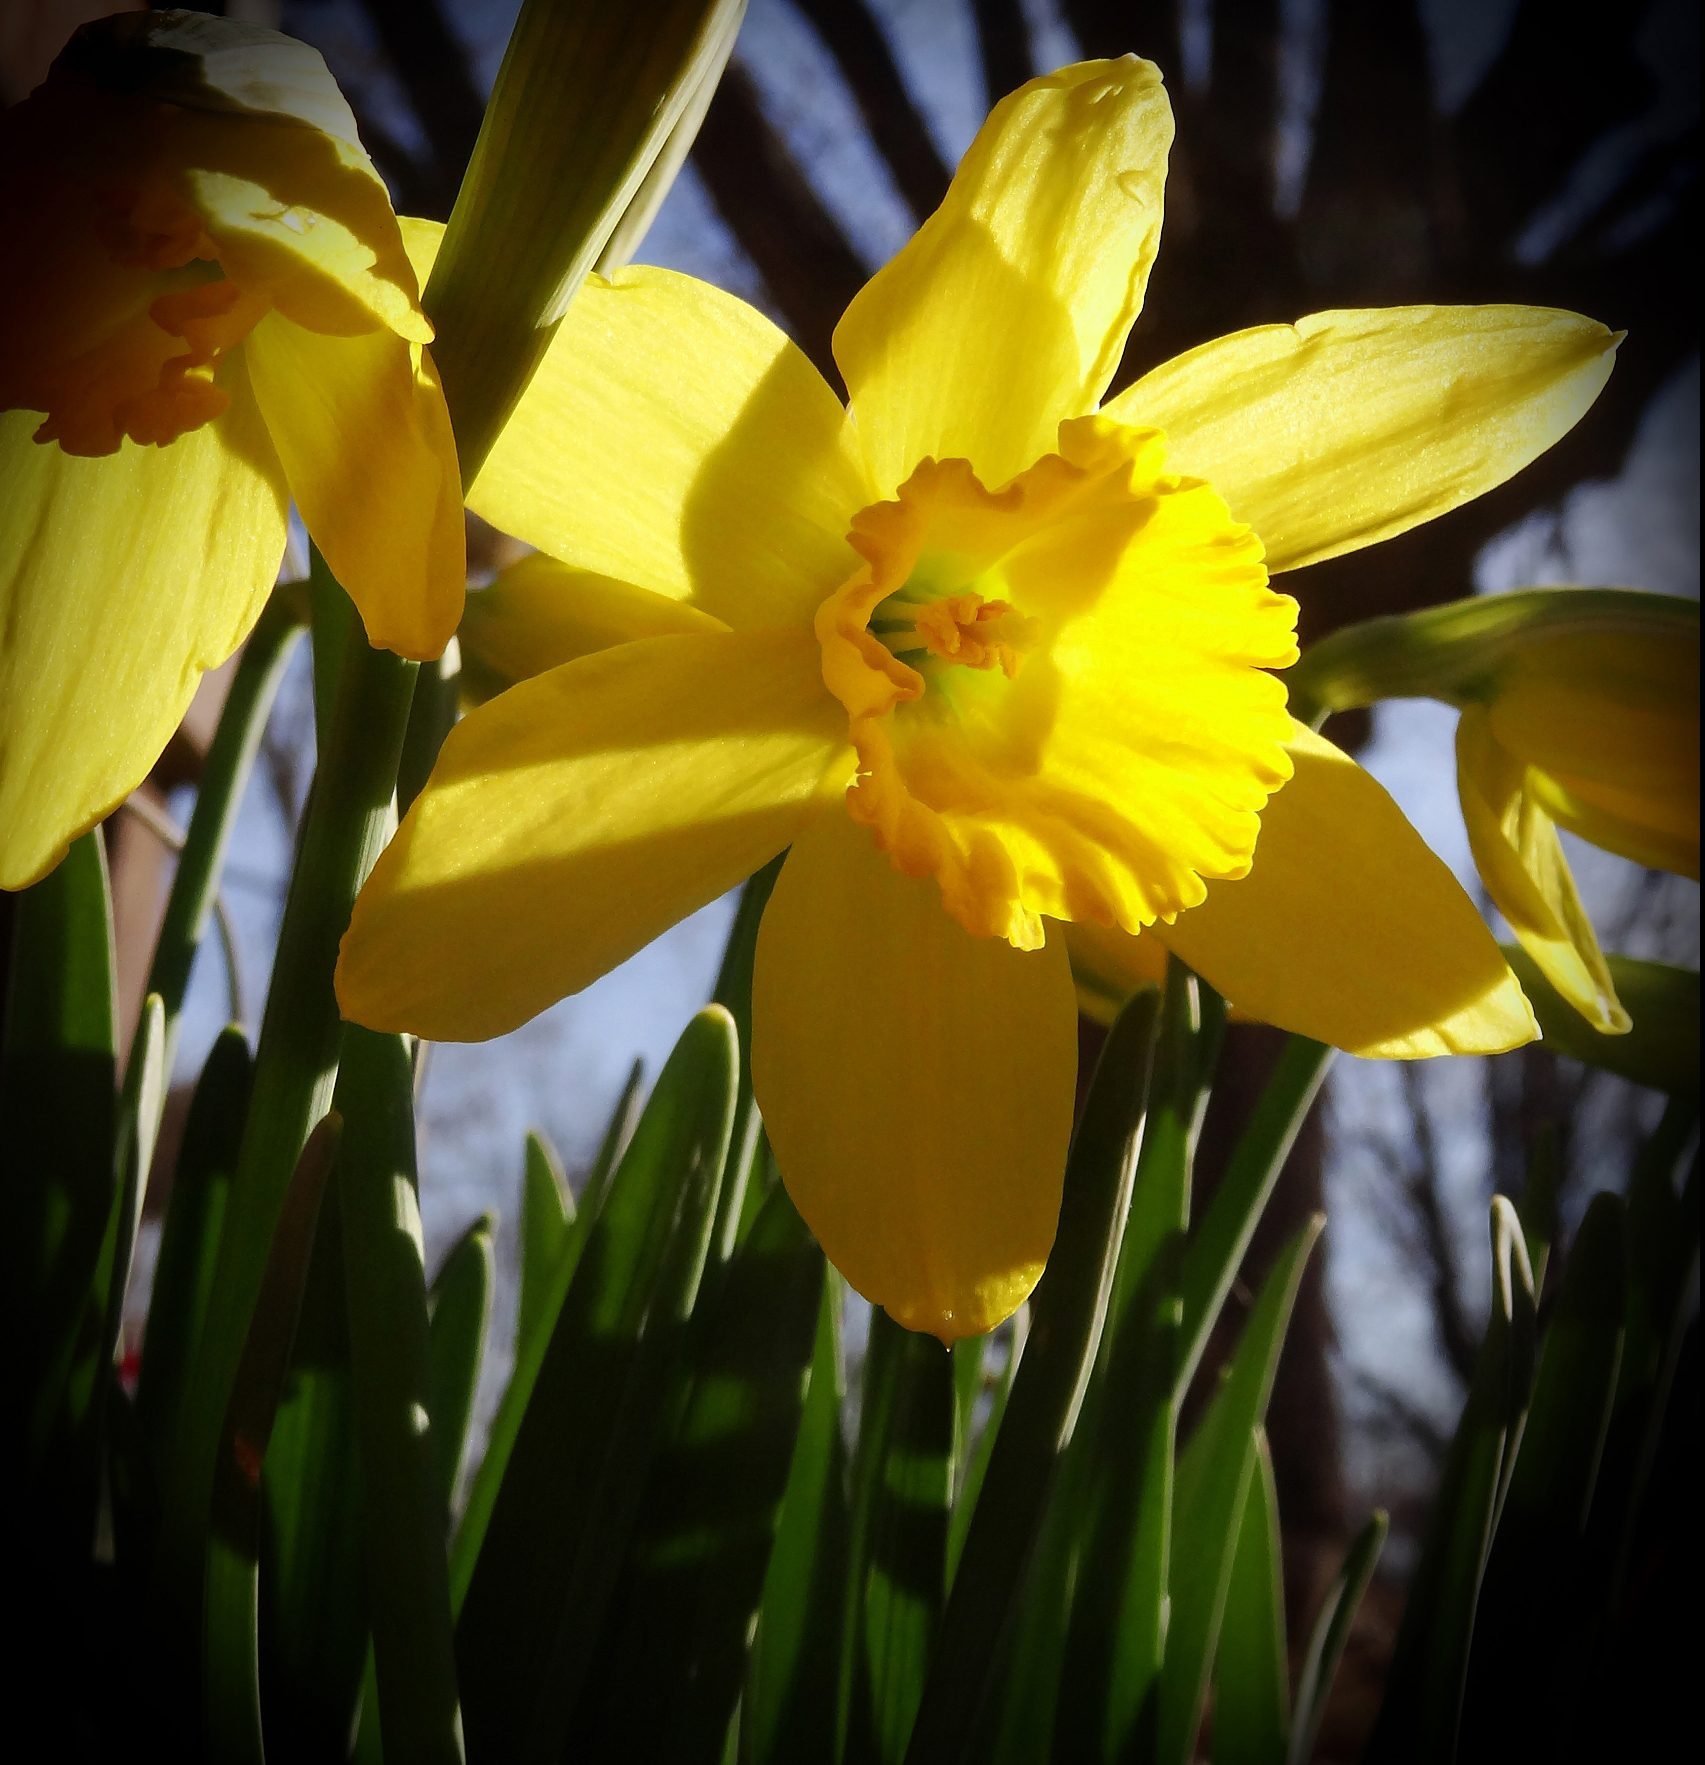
[1215, 1470]
[1251, 1672]
[540, 1562]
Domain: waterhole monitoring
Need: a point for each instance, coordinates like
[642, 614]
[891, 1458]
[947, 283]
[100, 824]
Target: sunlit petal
[1521, 862]
[575, 817]
[121, 580]
[916, 1083]
[1348, 928]
[1008, 310]
[675, 439]
[1349, 427]
[538, 614]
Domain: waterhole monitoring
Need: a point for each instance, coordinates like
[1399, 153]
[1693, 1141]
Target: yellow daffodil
[988, 657]
[1580, 710]
[208, 312]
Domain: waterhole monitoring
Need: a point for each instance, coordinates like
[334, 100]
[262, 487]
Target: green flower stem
[345, 825]
[583, 105]
[229, 760]
[1454, 652]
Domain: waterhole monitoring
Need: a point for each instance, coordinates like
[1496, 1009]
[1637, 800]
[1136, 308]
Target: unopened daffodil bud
[211, 315]
[1580, 710]
[586, 104]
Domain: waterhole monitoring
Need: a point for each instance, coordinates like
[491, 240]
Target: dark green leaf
[789, 1710]
[977, 1438]
[1251, 1693]
[431, 717]
[1661, 1050]
[734, 994]
[461, 1313]
[230, 1674]
[618, 1131]
[1215, 1469]
[1331, 1632]
[670, 1668]
[547, 1210]
[230, 758]
[58, 1112]
[541, 1562]
[1424, 1688]
[346, 822]
[1530, 1630]
[902, 1483]
[89, 1378]
[1122, 1492]
[189, 1240]
[404, 1521]
[1223, 1235]
[313, 1607]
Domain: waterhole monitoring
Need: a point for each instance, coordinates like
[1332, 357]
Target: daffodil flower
[989, 658]
[1580, 711]
[208, 312]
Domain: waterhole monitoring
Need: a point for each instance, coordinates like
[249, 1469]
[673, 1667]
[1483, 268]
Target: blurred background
[1330, 153]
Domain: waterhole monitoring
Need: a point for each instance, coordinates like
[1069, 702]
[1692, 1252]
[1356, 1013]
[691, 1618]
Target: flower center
[137, 348]
[1057, 689]
[963, 628]
[120, 323]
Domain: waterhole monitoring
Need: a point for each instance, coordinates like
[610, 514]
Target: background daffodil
[209, 313]
[1580, 710]
[986, 656]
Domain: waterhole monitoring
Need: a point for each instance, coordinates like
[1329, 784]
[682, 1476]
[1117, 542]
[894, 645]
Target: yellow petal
[1350, 930]
[121, 580]
[1610, 716]
[1520, 860]
[361, 429]
[674, 438]
[575, 817]
[1349, 427]
[251, 129]
[538, 614]
[310, 226]
[1008, 310]
[916, 1083]
[1659, 832]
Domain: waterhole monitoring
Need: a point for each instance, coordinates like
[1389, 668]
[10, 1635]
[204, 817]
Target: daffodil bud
[585, 103]
[1580, 710]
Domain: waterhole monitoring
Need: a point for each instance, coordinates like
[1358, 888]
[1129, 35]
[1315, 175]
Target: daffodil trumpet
[211, 315]
[1580, 712]
[994, 658]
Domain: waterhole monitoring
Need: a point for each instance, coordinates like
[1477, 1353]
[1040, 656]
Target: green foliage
[1069, 1542]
